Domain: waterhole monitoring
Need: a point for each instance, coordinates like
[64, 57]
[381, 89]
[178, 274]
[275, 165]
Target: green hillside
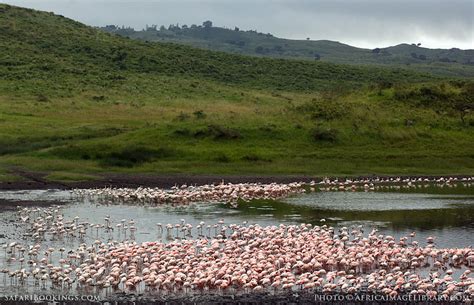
[76, 102]
[450, 62]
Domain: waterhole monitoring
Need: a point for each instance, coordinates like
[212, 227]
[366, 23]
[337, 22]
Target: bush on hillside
[324, 134]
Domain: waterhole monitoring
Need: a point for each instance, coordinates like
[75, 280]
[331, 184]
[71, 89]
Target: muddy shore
[11, 205]
[37, 181]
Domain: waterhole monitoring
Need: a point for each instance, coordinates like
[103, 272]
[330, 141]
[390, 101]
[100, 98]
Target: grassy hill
[55, 46]
[450, 62]
[76, 102]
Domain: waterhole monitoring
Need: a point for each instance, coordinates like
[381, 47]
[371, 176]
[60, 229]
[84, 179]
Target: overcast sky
[363, 23]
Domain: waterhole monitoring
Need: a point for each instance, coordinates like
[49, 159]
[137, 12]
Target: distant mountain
[453, 62]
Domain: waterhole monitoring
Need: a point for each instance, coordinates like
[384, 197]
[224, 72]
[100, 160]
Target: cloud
[364, 23]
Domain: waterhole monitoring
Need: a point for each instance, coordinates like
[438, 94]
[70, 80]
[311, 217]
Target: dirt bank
[6, 205]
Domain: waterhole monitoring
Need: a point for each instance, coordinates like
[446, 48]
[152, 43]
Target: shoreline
[36, 181]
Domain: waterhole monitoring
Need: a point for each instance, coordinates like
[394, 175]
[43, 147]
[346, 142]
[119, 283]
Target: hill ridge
[254, 43]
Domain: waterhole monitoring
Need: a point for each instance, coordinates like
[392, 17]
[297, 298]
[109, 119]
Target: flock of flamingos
[231, 258]
[244, 192]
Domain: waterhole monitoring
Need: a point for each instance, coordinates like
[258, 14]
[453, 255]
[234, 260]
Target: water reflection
[448, 211]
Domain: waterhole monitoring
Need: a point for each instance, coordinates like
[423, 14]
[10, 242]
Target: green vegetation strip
[77, 102]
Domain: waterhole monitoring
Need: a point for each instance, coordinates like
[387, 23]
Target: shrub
[330, 111]
[322, 134]
[98, 98]
[268, 128]
[254, 158]
[221, 157]
[42, 98]
[218, 132]
[182, 132]
[224, 133]
[131, 156]
[199, 114]
[182, 116]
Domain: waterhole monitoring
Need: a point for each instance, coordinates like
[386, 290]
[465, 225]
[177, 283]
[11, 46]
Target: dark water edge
[12, 205]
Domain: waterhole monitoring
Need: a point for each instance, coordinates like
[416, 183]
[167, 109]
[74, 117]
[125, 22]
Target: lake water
[444, 213]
